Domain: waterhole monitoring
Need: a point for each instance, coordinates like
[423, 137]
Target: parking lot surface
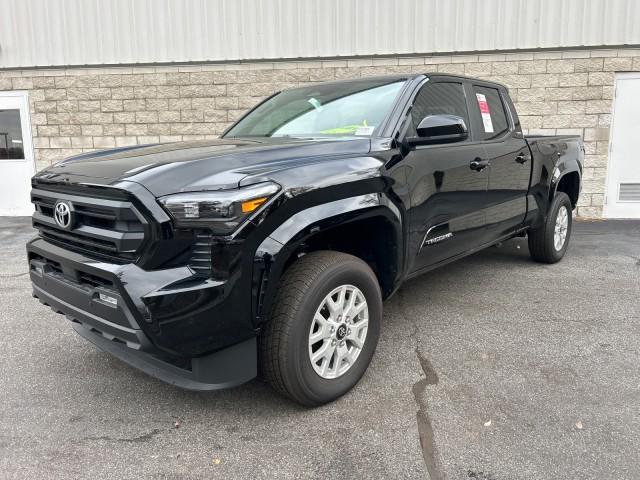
[493, 367]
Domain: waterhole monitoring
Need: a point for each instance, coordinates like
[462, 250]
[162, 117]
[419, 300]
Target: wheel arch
[569, 183]
[567, 173]
[366, 226]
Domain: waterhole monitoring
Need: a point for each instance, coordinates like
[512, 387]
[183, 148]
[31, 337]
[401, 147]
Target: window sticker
[366, 130]
[315, 104]
[484, 111]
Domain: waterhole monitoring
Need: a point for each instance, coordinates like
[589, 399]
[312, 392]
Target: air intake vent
[629, 192]
[200, 259]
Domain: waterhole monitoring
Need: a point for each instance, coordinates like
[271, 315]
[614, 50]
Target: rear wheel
[324, 327]
[548, 243]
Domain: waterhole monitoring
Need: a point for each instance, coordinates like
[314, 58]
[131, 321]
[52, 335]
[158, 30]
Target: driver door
[448, 182]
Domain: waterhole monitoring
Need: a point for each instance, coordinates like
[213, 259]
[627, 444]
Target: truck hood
[199, 165]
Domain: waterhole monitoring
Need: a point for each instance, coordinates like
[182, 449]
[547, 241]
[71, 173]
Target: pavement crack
[431, 377]
[425, 427]
[145, 437]
[425, 432]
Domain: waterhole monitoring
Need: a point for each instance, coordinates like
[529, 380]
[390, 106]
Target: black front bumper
[107, 306]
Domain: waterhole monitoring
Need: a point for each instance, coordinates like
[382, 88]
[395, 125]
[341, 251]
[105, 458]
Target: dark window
[493, 116]
[10, 135]
[440, 98]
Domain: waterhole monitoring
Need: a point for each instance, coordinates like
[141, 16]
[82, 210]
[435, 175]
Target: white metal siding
[84, 32]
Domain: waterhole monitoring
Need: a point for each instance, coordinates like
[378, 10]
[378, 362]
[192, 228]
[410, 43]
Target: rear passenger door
[509, 155]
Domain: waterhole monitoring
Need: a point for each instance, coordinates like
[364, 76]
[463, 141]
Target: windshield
[340, 109]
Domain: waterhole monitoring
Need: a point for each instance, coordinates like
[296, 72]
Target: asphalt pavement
[493, 367]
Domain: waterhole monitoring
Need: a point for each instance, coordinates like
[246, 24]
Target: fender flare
[275, 251]
[561, 170]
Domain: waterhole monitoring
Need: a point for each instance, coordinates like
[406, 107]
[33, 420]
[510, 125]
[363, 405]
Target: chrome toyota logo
[63, 215]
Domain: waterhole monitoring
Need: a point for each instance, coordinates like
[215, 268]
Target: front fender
[275, 252]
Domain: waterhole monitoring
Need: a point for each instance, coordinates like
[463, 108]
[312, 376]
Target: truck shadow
[114, 382]
[258, 397]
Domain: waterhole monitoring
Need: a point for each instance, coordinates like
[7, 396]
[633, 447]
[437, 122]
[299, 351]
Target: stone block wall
[75, 110]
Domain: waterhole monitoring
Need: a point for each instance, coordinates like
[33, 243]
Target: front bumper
[223, 369]
[154, 321]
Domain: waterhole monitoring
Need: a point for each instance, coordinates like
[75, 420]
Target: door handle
[479, 164]
[522, 158]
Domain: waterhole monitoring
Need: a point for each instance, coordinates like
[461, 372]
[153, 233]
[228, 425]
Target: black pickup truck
[272, 248]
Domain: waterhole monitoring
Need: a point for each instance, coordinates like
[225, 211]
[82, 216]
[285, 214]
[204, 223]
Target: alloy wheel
[561, 228]
[338, 331]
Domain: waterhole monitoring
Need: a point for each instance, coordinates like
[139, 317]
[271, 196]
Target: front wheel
[324, 327]
[548, 243]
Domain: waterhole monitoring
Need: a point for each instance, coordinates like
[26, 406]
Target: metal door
[623, 174]
[17, 164]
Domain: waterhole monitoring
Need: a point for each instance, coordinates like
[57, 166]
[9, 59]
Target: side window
[492, 112]
[437, 99]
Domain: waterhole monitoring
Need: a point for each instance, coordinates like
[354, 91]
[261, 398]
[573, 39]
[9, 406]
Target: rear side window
[492, 112]
[438, 99]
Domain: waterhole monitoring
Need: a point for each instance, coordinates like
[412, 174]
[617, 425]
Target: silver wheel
[562, 225]
[338, 331]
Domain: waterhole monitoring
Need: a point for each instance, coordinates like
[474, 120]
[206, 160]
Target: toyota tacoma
[270, 250]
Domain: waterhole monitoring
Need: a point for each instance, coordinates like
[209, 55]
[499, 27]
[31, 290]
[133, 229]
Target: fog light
[108, 299]
[38, 269]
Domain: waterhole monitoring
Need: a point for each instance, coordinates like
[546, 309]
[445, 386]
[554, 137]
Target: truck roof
[410, 76]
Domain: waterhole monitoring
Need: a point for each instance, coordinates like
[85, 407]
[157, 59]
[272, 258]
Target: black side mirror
[440, 129]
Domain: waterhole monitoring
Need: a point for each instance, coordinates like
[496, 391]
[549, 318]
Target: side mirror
[440, 129]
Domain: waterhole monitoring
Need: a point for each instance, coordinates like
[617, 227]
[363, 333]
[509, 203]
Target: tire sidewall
[313, 386]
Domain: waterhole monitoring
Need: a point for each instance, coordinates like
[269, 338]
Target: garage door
[623, 173]
[16, 154]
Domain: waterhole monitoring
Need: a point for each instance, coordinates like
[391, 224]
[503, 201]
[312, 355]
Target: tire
[542, 240]
[285, 350]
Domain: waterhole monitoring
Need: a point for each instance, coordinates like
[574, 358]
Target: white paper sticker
[484, 111]
[315, 104]
[365, 131]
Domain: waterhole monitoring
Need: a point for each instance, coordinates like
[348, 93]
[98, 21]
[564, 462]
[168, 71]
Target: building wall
[78, 110]
[101, 32]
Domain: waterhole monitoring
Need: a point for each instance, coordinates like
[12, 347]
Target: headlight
[222, 211]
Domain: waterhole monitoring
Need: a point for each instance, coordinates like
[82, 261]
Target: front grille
[94, 281]
[83, 278]
[105, 228]
[51, 265]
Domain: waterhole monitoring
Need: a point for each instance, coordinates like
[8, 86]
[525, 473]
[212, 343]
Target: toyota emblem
[63, 214]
